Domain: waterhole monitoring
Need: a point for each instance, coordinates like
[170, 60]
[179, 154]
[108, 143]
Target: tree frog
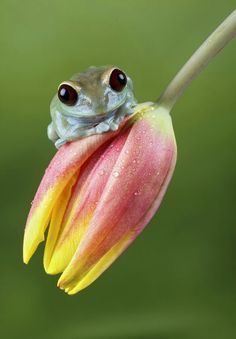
[92, 102]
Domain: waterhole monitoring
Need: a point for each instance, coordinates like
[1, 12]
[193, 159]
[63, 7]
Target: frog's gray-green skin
[98, 107]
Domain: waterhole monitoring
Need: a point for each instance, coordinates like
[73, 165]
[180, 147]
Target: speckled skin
[98, 109]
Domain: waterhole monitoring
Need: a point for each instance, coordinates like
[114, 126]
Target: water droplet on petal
[137, 193]
[102, 172]
[116, 174]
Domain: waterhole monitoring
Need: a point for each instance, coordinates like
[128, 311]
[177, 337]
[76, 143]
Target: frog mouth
[92, 114]
[92, 121]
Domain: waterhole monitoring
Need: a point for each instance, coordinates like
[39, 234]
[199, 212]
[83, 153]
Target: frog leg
[75, 133]
[52, 134]
[114, 122]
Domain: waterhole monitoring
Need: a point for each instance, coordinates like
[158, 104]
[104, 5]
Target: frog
[94, 101]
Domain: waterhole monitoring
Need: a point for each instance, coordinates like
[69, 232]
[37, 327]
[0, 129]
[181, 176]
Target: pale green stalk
[223, 34]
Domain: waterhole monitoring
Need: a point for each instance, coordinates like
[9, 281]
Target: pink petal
[132, 194]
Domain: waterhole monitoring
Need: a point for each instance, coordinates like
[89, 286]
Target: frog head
[94, 93]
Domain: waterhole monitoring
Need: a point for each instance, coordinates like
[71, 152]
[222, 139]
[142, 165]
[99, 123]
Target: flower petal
[102, 264]
[137, 183]
[86, 194]
[58, 212]
[65, 164]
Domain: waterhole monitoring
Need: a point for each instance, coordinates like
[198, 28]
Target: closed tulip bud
[98, 194]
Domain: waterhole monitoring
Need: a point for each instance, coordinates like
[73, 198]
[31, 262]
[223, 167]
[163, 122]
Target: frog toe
[59, 143]
[102, 127]
[114, 126]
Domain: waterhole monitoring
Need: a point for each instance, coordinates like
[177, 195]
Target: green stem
[203, 55]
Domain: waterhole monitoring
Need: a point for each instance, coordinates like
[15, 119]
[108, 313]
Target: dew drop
[102, 172]
[127, 152]
[116, 174]
[137, 193]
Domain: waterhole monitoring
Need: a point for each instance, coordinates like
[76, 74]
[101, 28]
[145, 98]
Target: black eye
[67, 94]
[117, 80]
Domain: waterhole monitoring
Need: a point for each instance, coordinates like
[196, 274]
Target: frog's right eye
[67, 94]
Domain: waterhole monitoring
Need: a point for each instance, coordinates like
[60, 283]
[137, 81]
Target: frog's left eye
[67, 94]
[117, 80]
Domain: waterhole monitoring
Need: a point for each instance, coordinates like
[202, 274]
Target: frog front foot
[109, 125]
[59, 142]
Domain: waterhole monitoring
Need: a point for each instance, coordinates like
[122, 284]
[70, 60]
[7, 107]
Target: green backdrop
[178, 280]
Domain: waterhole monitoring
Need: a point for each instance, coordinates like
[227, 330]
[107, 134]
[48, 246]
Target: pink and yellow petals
[85, 198]
[65, 164]
[99, 194]
[98, 268]
[136, 181]
[57, 215]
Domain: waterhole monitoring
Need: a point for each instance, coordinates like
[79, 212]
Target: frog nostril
[67, 94]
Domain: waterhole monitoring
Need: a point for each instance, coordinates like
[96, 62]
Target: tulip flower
[99, 192]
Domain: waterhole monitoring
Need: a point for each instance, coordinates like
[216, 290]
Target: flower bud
[98, 194]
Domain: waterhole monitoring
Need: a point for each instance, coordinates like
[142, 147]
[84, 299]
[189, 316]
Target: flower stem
[203, 55]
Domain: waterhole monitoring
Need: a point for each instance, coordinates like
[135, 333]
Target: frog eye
[67, 94]
[117, 80]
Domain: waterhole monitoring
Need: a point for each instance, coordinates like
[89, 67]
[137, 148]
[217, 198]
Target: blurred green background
[178, 280]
